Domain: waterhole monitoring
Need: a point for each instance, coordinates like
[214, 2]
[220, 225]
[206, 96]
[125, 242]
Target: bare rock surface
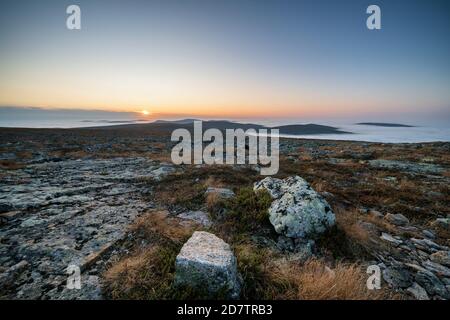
[67, 212]
[411, 167]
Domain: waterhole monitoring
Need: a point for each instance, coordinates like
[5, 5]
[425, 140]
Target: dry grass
[147, 274]
[160, 227]
[213, 201]
[351, 221]
[267, 276]
[214, 182]
[314, 280]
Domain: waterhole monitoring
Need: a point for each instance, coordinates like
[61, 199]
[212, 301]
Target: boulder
[207, 263]
[297, 210]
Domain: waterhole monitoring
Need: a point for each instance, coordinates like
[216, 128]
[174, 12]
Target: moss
[249, 209]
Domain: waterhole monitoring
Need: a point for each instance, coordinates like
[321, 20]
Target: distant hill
[301, 129]
[166, 125]
[183, 121]
[382, 124]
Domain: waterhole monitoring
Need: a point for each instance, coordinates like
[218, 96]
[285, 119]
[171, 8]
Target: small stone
[376, 214]
[221, 192]
[429, 234]
[426, 244]
[387, 237]
[441, 257]
[418, 292]
[442, 224]
[437, 269]
[200, 217]
[397, 219]
[397, 277]
[31, 222]
[161, 172]
[431, 283]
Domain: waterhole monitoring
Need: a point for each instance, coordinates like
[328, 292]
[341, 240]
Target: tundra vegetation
[393, 212]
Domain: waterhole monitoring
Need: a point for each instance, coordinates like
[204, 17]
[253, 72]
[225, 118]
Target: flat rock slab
[411, 167]
[206, 262]
[67, 212]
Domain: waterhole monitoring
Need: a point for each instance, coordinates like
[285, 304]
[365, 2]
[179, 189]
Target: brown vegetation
[11, 165]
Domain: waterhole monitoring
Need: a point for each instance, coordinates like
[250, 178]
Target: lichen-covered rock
[206, 262]
[297, 210]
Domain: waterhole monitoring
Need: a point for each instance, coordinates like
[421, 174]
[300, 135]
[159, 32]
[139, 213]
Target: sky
[244, 59]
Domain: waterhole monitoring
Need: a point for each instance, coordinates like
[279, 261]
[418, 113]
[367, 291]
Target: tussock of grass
[213, 202]
[161, 228]
[267, 276]
[314, 280]
[147, 274]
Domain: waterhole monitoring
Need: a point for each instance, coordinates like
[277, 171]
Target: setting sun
[145, 112]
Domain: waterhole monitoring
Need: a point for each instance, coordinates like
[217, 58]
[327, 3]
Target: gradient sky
[228, 58]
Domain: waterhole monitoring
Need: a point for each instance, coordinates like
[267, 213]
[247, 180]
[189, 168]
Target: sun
[145, 112]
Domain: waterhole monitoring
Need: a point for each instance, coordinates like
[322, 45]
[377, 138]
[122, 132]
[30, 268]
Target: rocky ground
[69, 196]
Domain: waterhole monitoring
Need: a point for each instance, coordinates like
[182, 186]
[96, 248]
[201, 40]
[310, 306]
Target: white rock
[206, 262]
[297, 210]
